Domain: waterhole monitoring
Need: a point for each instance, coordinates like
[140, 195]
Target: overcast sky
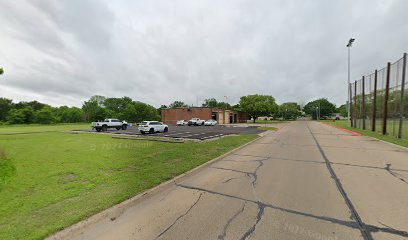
[62, 52]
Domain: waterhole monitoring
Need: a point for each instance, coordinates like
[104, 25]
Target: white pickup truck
[109, 123]
[196, 122]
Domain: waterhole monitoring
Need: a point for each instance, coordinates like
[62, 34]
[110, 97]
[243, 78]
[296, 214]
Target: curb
[117, 210]
[359, 134]
[343, 129]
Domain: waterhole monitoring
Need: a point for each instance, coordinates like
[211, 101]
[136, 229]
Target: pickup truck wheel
[98, 129]
[118, 128]
[124, 127]
[151, 130]
[166, 129]
[104, 128]
[142, 132]
[202, 124]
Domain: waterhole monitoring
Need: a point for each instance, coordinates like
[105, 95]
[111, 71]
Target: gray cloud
[62, 52]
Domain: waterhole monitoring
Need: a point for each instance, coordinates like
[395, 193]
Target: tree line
[124, 108]
[95, 109]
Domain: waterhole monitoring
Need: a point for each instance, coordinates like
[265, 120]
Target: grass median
[269, 128]
[267, 121]
[54, 179]
[388, 138]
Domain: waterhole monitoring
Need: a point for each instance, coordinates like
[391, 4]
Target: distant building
[221, 115]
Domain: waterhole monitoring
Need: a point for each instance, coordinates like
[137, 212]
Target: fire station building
[221, 115]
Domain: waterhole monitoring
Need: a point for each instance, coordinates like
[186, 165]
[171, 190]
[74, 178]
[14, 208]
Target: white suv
[152, 127]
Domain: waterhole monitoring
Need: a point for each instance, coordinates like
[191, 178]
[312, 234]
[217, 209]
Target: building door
[231, 118]
[214, 116]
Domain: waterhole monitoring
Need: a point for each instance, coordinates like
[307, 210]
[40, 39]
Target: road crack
[181, 216]
[365, 232]
[352, 224]
[394, 174]
[224, 232]
[261, 211]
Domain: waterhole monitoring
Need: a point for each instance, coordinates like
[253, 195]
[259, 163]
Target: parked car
[210, 122]
[196, 122]
[109, 123]
[152, 127]
[182, 122]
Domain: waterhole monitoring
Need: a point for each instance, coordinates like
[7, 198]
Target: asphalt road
[305, 181]
[191, 132]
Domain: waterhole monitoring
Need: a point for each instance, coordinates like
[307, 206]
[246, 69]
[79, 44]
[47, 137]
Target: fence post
[363, 103]
[387, 90]
[374, 102]
[355, 104]
[351, 105]
[404, 68]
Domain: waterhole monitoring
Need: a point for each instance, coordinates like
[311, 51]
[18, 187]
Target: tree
[212, 102]
[224, 105]
[236, 107]
[98, 99]
[115, 106]
[177, 104]
[66, 114]
[34, 105]
[15, 116]
[322, 104]
[1, 71]
[342, 110]
[94, 109]
[143, 112]
[289, 110]
[5, 106]
[160, 108]
[258, 105]
[45, 116]
[20, 116]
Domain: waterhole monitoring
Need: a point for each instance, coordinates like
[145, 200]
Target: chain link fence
[379, 101]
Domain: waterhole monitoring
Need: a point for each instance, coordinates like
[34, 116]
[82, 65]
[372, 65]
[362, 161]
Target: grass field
[42, 128]
[378, 135]
[51, 180]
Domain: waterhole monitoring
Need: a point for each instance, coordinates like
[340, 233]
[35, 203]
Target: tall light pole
[350, 43]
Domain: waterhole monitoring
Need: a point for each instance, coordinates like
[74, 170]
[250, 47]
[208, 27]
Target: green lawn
[42, 128]
[51, 180]
[378, 135]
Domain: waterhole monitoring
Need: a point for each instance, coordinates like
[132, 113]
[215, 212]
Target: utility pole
[350, 43]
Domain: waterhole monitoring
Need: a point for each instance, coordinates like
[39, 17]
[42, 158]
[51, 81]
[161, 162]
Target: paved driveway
[306, 181]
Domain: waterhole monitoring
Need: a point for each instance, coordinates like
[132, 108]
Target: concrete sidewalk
[306, 181]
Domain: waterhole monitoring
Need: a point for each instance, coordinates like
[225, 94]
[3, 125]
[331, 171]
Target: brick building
[223, 116]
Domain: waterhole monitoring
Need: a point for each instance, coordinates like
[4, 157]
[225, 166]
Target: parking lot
[192, 132]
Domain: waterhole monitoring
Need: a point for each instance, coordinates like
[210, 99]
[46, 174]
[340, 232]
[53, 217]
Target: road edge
[362, 135]
[343, 129]
[118, 209]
